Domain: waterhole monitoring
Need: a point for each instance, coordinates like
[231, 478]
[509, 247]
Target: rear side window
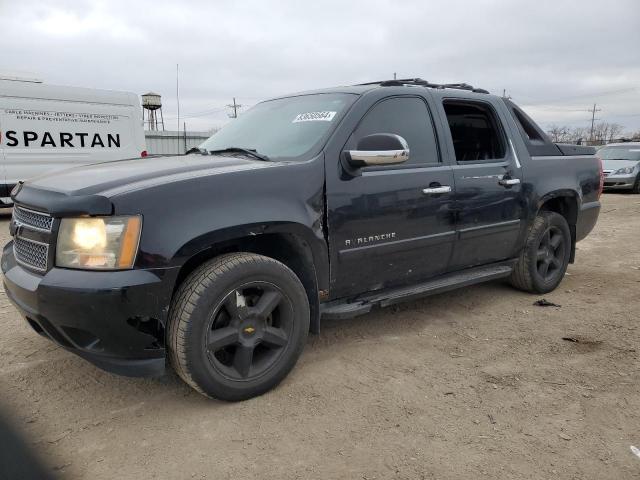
[408, 117]
[527, 127]
[536, 141]
[475, 131]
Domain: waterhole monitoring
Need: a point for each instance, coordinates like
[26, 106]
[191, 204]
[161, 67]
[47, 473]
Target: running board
[364, 303]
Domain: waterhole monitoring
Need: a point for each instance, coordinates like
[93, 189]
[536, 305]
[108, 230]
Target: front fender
[182, 218]
[228, 236]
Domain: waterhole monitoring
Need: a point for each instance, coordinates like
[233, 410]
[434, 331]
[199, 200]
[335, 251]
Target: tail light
[143, 153]
[601, 186]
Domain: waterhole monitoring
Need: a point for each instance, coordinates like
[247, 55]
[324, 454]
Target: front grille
[31, 218]
[30, 253]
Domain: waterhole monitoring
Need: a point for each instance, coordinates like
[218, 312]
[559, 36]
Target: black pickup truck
[323, 204]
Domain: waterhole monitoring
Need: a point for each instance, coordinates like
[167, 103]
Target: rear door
[387, 224]
[489, 199]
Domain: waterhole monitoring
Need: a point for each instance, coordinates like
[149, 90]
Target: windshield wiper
[200, 150]
[246, 151]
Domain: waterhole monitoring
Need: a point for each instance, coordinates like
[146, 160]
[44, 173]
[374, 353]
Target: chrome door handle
[508, 182]
[431, 190]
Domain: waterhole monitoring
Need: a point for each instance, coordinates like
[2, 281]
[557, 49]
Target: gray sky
[555, 58]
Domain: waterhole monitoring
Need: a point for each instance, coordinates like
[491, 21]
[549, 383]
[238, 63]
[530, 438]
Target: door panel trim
[397, 245]
[481, 230]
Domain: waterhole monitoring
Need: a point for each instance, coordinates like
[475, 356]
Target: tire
[548, 242]
[237, 326]
[636, 186]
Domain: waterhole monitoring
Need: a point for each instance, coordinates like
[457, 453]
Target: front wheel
[545, 257]
[636, 185]
[237, 326]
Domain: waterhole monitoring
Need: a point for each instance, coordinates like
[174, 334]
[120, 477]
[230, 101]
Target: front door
[392, 225]
[490, 202]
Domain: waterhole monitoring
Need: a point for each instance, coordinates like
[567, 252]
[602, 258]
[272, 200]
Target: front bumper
[114, 319]
[619, 182]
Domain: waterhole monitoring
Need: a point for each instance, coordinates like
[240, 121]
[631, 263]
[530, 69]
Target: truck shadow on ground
[417, 315]
[76, 381]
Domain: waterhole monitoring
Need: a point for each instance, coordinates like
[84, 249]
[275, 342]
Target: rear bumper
[113, 319]
[587, 218]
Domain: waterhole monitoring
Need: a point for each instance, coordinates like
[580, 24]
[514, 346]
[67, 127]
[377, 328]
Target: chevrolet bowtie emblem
[249, 330]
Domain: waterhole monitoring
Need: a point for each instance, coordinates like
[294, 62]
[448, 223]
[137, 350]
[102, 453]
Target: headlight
[98, 243]
[624, 171]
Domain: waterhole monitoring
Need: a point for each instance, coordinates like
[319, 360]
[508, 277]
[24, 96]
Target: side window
[536, 141]
[526, 126]
[408, 117]
[476, 133]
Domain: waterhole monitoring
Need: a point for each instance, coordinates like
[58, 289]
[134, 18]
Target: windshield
[620, 153]
[287, 128]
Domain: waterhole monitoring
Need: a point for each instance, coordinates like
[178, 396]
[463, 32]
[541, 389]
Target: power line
[204, 113]
[586, 95]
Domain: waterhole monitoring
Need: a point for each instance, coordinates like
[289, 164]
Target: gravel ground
[476, 383]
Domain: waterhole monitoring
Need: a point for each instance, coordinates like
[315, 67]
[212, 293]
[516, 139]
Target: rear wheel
[237, 326]
[544, 260]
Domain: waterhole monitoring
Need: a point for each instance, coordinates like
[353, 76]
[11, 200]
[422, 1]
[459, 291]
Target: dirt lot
[476, 383]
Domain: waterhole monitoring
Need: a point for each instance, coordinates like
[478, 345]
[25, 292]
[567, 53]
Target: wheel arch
[567, 204]
[292, 244]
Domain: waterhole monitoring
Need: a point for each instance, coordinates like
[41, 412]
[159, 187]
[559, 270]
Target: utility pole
[185, 136]
[593, 120]
[235, 106]
[178, 97]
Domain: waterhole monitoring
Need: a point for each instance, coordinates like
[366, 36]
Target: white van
[45, 127]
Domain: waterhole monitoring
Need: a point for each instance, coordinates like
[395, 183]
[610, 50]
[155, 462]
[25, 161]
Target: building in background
[160, 141]
[173, 142]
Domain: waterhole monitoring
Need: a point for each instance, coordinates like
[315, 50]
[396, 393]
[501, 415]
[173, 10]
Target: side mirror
[379, 149]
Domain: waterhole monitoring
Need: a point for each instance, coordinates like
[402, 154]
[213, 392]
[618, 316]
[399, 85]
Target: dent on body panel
[315, 208]
[479, 204]
[588, 179]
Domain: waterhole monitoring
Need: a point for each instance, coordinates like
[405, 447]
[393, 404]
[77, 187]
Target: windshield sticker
[314, 117]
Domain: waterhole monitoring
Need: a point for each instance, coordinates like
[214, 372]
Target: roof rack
[424, 83]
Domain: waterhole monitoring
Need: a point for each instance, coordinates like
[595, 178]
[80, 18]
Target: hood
[101, 178]
[86, 189]
[614, 165]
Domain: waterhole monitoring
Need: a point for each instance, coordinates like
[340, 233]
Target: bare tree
[615, 131]
[559, 133]
[605, 132]
[580, 134]
[566, 134]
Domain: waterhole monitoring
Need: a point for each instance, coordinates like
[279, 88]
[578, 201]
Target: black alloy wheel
[550, 253]
[237, 326]
[249, 330]
[544, 259]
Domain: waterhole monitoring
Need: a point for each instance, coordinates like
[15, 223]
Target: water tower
[152, 105]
